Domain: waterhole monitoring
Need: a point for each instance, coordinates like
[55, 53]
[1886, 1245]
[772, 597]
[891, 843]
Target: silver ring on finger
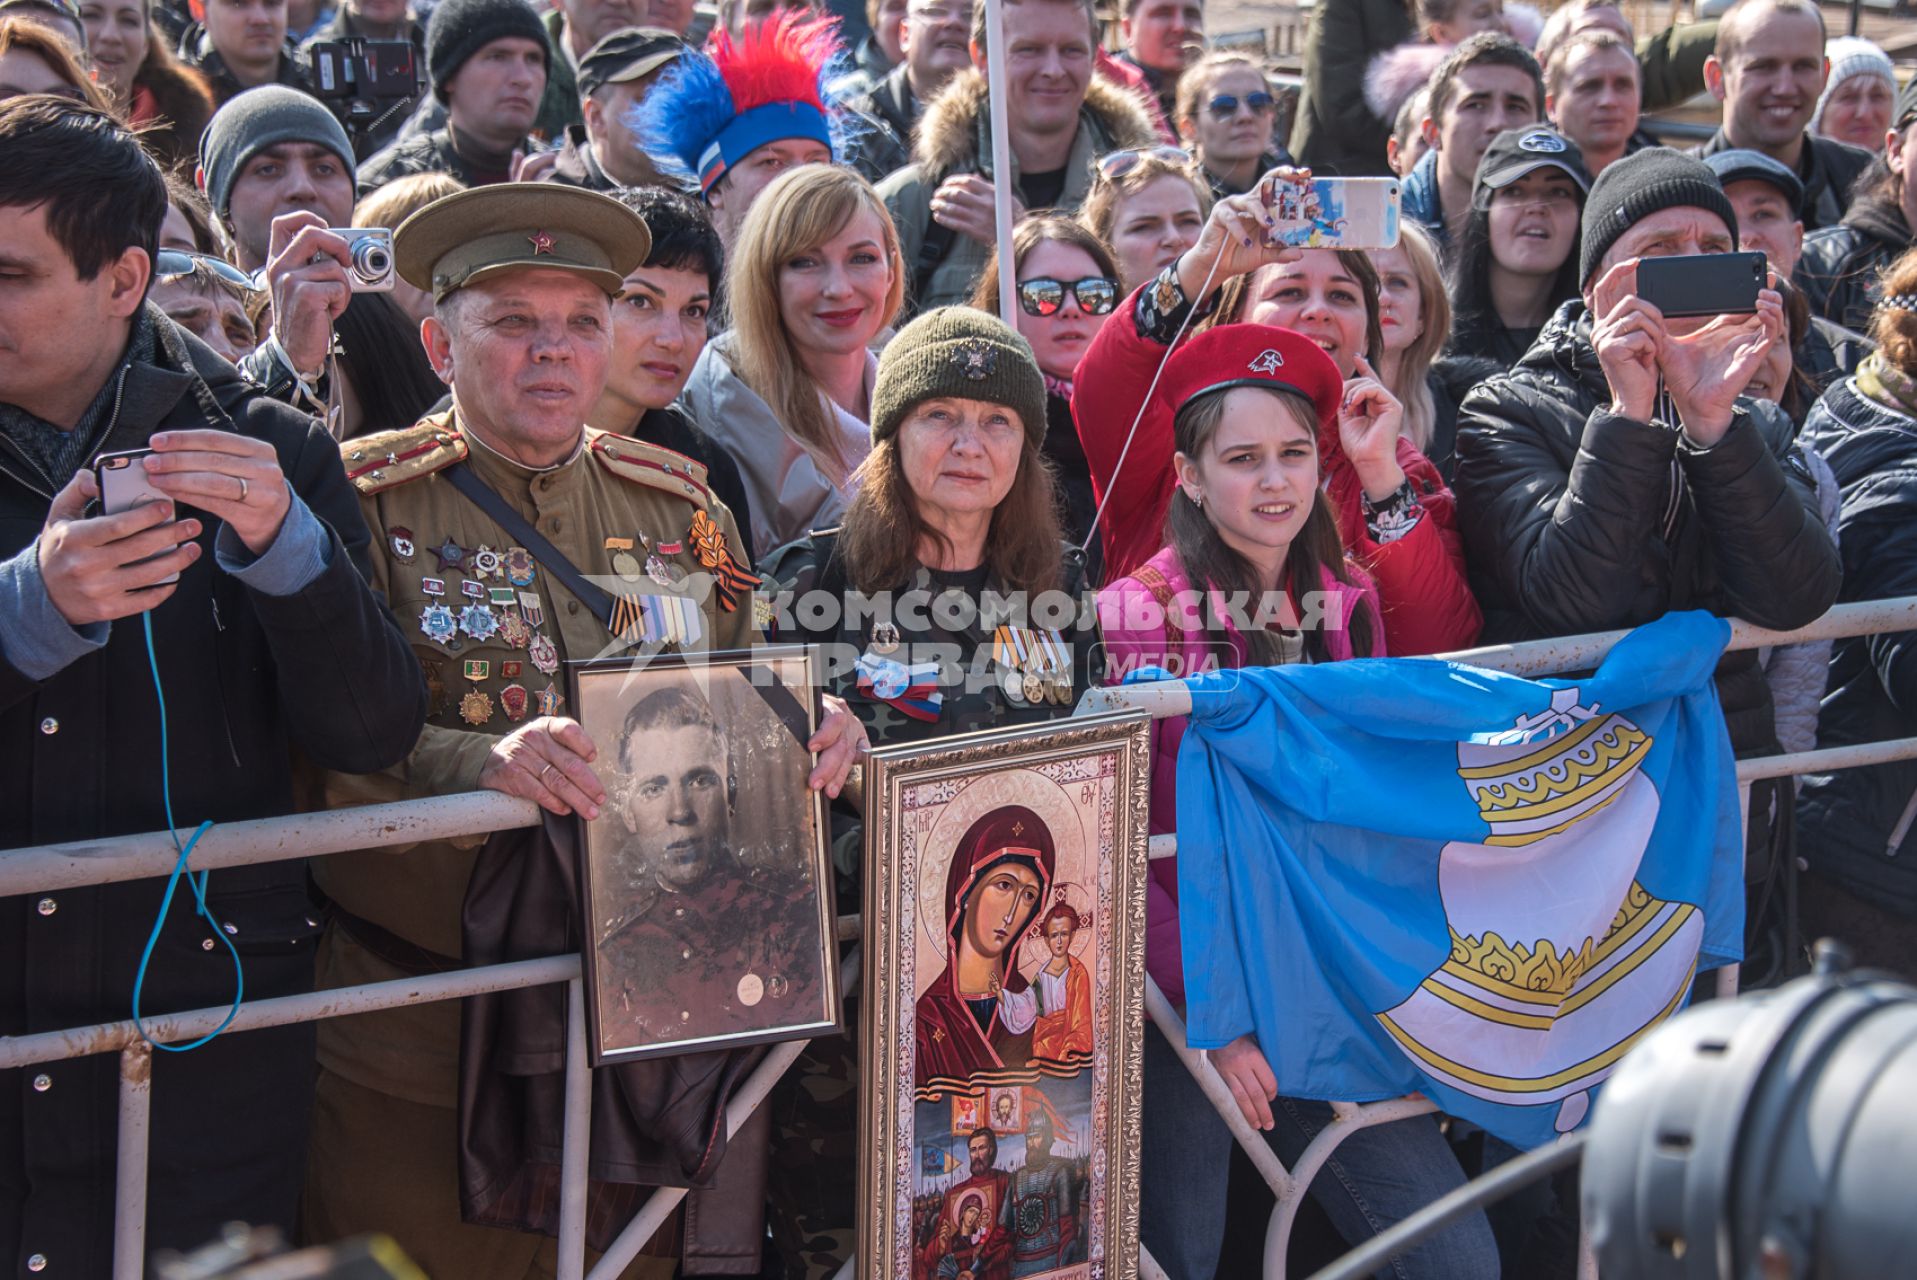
[242, 480]
[543, 772]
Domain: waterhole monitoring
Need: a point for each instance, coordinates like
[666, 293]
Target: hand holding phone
[100, 568]
[1703, 284]
[124, 485]
[1334, 213]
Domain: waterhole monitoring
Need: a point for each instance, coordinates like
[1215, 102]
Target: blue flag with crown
[1410, 875]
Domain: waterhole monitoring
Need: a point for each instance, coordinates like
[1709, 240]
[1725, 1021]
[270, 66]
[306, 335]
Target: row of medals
[508, 613]
[1033, 682]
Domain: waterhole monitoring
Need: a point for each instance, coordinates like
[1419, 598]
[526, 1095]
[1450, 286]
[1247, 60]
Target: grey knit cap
[260, 118]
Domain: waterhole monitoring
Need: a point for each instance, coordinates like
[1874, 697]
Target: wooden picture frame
[978, 848]
[706, 879]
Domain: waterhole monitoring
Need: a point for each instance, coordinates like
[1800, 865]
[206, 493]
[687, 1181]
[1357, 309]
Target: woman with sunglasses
[1394, 511]
[1226, 117]
[152, 88]
[1148, 204]
[1067, 285]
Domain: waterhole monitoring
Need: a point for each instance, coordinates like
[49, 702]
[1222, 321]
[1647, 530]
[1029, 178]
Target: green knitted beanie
[960, 353]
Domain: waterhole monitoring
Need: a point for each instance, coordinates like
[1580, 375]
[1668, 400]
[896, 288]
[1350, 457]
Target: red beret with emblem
[1252, 355]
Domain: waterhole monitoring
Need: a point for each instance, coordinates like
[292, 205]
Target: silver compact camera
[369, 258]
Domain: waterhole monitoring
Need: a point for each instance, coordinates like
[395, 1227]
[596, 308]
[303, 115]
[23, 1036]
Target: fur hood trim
[1401, 71]
[1397, 73]
[948, 135]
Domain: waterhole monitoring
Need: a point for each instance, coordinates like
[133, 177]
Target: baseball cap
[1517, 152]
[1742, 165]
[627, 55]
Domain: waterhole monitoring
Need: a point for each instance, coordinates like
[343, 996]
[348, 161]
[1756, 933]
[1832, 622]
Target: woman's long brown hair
[1210, 565]
[883, 527]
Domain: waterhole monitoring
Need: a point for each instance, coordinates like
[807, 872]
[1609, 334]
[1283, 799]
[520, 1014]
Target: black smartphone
[1703, 284]
[124, 485]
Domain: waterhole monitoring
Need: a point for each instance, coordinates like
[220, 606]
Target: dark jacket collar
[1827, 168]
[1881, 220]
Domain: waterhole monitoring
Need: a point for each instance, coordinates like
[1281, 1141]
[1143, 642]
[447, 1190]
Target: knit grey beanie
[1632, 189]
[258, 119]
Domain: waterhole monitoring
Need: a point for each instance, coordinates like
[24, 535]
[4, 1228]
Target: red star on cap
[541, 242]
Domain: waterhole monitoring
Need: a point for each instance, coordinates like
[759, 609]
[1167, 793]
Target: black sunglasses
[172, 264]
[1043, 296]
[1226, 104]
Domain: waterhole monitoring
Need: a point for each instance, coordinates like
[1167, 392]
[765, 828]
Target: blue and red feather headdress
[711, 109]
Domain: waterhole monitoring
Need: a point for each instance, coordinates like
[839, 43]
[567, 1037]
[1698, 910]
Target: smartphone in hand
[125, 485]
[1703, 284]
[1336, 213]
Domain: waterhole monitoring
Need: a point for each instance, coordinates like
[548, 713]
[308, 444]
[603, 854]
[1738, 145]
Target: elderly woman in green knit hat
[947, 601]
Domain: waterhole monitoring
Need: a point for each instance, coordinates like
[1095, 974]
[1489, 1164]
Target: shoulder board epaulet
[376, 463]
[649, 464]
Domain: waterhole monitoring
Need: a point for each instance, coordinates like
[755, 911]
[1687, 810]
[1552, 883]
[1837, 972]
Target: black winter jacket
[1840, 269]
[1846, 820]
[1829, 169]
[248, 678]
[1578, 520]
[891, 112]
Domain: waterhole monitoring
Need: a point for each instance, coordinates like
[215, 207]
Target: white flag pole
[997, 85]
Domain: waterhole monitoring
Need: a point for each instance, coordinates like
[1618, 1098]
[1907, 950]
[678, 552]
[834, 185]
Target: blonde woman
[813, 279]
[1148, 204]
[1414, 316]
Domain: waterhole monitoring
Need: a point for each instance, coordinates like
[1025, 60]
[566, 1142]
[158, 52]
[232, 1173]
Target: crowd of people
[719, 291]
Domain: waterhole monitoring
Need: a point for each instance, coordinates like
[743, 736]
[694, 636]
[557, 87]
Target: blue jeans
[1376, 1177]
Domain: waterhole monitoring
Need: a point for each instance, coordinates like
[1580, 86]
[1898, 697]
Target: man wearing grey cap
[603, 154]
[508, 486]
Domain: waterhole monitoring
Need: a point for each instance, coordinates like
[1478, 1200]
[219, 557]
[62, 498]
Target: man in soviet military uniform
[703, 944]
[522, 278]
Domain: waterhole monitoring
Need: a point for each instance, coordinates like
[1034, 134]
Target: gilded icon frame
[1100, 766]
[647, 945]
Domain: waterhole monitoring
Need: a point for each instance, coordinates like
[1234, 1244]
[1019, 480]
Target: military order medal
[402, 543]
[550, 701]
[476, 669]
[475, 708]
[433, 586]
[543, 655]
[511, 670]
[477, 621]
[437, 621]
[514, 633]
[519, 566]
[451, 555]
[486, 562]
[514, 701]
[531, 610]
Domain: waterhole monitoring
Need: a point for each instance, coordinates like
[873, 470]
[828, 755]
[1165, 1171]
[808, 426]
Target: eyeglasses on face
[1043, 296]
[1119, 163]
[1225, 105]
[171, 264]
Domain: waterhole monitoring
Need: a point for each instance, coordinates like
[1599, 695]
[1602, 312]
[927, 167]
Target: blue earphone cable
[196, 883]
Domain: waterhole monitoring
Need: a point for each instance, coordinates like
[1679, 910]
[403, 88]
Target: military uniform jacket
[449, 571]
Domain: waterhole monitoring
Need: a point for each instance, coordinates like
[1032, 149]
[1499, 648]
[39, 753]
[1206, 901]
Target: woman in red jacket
[1394, 512]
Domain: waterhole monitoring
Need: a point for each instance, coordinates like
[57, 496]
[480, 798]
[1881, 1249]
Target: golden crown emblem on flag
[1563, 782]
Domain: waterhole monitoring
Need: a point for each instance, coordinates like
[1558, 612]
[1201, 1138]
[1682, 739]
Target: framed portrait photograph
[1005, 980]
[707, 879]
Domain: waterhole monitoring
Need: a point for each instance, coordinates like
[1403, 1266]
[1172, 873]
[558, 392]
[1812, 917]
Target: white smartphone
[1337, 213]
[124, 485]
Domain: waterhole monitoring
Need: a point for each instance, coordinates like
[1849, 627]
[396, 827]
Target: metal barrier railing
[50, 868]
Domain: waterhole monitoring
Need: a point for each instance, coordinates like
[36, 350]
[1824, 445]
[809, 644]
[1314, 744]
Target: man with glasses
[208, 298]
[1060, 118]
[935, 45]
